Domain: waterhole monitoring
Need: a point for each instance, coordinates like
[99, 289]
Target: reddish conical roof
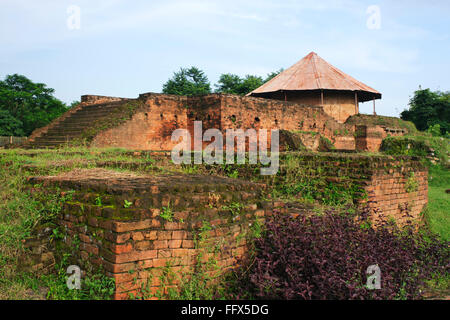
[314, 73]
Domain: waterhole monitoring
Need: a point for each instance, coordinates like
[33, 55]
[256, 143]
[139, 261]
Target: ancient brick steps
[74, 125]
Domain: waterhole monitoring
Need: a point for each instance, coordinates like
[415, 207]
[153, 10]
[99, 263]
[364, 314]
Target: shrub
[404, 146]
[326, 257]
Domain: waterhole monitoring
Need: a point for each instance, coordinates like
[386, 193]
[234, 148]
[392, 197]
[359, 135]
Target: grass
[20, 213]
[437, 213]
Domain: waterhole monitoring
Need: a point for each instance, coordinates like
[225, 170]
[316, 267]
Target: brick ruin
[150, 232]
[140, 228]
[146, 123]
[135, 244]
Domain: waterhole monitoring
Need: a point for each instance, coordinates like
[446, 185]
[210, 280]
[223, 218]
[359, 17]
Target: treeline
[25, 106]
[193, 81]
[429, 111]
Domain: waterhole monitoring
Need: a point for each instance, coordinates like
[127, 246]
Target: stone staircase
[71, 125]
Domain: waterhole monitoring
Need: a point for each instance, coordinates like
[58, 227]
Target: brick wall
[123, 223]
[151, 126]
[394, 187]
[338, 104]
[249, 112]
[370, 137]
[135, 245]
[398, 191]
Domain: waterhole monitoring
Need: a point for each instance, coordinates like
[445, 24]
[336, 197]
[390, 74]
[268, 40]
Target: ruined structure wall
[247, 112]
[339, 105]
[399, 194]
[137, 245]
[205, 109]
[369, 138]
[151, 127]
[394, 187]
[94, 99]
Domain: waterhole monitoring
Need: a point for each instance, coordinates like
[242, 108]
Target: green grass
[437, 213]
[20, 213]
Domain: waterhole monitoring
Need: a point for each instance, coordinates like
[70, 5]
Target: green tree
[188, 82]
[273, 74]
[32, 105]
[233, 84]
[74, 104]
[10, 126]
[229, 83]
[429, 108]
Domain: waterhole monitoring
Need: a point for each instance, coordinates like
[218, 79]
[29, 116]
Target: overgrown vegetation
[429, 110]
[326, 257]
[417, 145]
[437, 212]
[22, 210]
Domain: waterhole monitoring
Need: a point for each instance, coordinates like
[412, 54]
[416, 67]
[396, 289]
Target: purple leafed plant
[326, 257]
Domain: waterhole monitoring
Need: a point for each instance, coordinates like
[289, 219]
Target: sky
[124, 48]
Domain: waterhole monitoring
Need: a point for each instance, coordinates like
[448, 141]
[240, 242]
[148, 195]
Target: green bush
[417, 146]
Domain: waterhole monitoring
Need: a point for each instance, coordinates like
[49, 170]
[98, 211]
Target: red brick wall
[370, 137]
[95, 99]
[135, 245]
[338, 104]
[151, 127]
[269, 114]
[401, 193]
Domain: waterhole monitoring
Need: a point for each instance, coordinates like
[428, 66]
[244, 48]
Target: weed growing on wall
[411, 184]
[166, 213]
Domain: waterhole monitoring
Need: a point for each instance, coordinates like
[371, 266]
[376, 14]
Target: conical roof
[314, 73]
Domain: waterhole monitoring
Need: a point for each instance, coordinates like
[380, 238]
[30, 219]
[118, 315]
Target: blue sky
[124, 48]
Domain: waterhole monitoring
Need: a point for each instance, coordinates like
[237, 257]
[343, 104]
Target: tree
[73, 104]
[229, 83]
[233, 84]
[27, 104]
[429, 108]
[273, 74]
[188, 82]
[10, 126]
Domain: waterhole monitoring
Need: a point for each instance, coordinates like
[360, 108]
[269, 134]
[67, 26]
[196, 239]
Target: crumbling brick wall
[137, 243]
[248, 112]
[398, 190]
[151, 126]
[392, 187]
[338, 104]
